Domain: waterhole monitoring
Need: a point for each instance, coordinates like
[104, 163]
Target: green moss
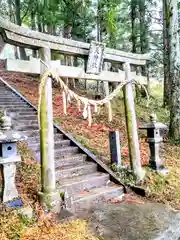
[178, 195]
[81, 139]
[159, 183]
[84, 141]
[125, 175]
[58, 121]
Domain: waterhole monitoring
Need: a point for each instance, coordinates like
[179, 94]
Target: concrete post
[114, 143]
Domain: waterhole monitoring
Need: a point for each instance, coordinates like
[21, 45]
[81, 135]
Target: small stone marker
[95, 59]
[114, 143]
[9, 158]
[154, 139]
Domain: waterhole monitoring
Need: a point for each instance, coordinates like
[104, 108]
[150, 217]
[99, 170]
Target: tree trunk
[33, 27]
[174, 131]
[39, 24]
[39, 18]
[43, 27]
[134, 38]
[133, 25]
[143, 32]
[54, 30]
[98, 28]
[69, 61]
[112, 31]
[12, 19]
[148, 79]
[166, 52]
[18, 22]
[98, 22]
[67, 34]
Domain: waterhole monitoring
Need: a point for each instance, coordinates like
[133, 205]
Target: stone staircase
[85, 179]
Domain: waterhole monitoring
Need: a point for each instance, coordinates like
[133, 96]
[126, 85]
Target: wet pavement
[135, 221]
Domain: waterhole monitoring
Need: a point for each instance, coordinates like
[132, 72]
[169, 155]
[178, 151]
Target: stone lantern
[154, 139]
[9, 157]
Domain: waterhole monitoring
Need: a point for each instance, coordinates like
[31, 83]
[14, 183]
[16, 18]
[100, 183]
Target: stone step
[7, 93]
[26, 117]
[26, 127]
[63, 153]
[36, 139]
[20, 109]
[29, 128]
[88, 199]
[15, 105]
[76, 170]
[57, 145]
[26, 113]
[16, 112]
[30, 133]
[70, 160]
[2, 86]
[77, 184]
[5, 88]
[27, 121]
[35, 133]
[8, 96]
[12, 100]
[9, 100]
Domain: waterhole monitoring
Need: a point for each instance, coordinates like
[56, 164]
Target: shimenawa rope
[68, 94]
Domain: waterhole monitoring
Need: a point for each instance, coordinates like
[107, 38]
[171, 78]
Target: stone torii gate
[46, 44]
